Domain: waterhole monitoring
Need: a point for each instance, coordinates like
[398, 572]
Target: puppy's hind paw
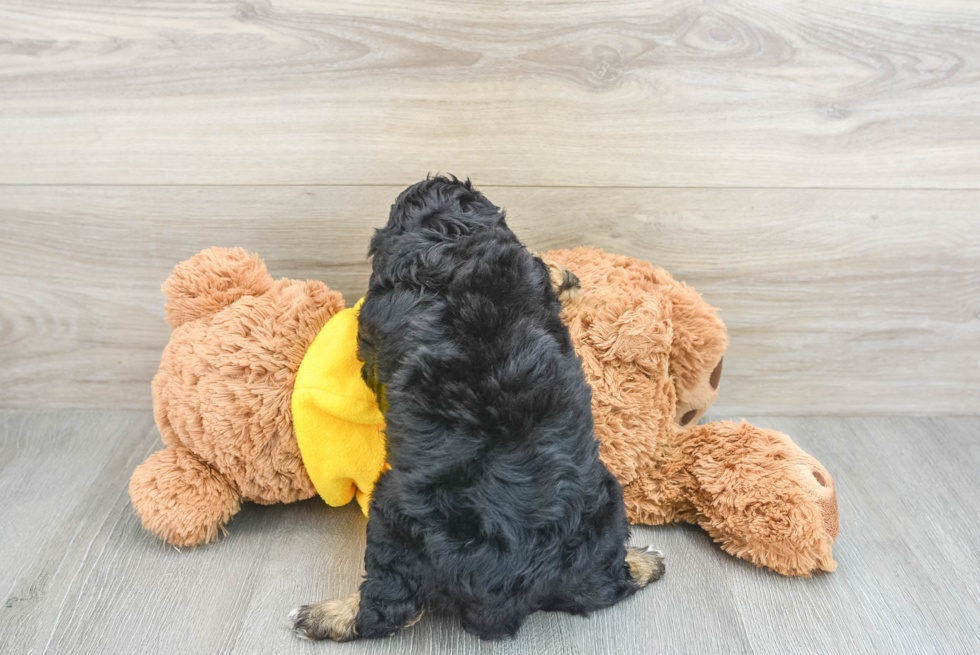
[646, 565]
[331, 619]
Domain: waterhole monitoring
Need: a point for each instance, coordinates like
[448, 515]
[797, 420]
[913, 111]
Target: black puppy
[496, 504]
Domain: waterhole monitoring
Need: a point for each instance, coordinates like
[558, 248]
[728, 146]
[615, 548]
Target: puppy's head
[438, 208]
[427, 219]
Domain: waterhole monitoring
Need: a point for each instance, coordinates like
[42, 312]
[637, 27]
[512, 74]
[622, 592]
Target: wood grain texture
[80, 575]
[837, 302]
[621, 92]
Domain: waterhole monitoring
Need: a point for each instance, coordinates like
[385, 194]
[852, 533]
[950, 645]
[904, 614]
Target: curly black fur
[496, 504]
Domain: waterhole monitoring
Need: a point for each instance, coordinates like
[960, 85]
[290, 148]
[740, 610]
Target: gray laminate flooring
[79, 575]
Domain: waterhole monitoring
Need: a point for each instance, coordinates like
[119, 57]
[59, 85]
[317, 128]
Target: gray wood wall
[812, 168]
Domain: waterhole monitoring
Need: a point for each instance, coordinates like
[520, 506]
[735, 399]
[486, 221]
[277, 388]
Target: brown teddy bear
[221, 398]
[248, 354]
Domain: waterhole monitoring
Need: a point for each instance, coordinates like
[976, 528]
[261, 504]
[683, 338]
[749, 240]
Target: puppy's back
[495, 470]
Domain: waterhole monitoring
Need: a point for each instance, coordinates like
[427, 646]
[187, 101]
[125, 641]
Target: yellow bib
[336, 417]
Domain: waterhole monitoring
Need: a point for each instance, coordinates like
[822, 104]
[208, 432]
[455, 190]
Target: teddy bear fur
[651, 349]
[221, 398]
[652, 352]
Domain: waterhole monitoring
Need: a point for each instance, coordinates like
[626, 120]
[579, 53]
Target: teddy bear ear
[640, 334]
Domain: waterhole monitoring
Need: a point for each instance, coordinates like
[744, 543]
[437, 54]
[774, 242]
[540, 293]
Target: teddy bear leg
[762, 497]
[180, 499]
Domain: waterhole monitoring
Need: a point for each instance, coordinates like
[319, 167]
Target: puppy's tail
[210, 281]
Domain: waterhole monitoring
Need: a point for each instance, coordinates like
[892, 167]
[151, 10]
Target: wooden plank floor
[79, 575]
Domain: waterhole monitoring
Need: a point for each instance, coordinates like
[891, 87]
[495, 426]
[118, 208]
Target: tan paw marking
[331, 619]
[565, 284]
[646, 565]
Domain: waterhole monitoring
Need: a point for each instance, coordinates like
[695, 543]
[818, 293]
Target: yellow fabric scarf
[336, 417]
